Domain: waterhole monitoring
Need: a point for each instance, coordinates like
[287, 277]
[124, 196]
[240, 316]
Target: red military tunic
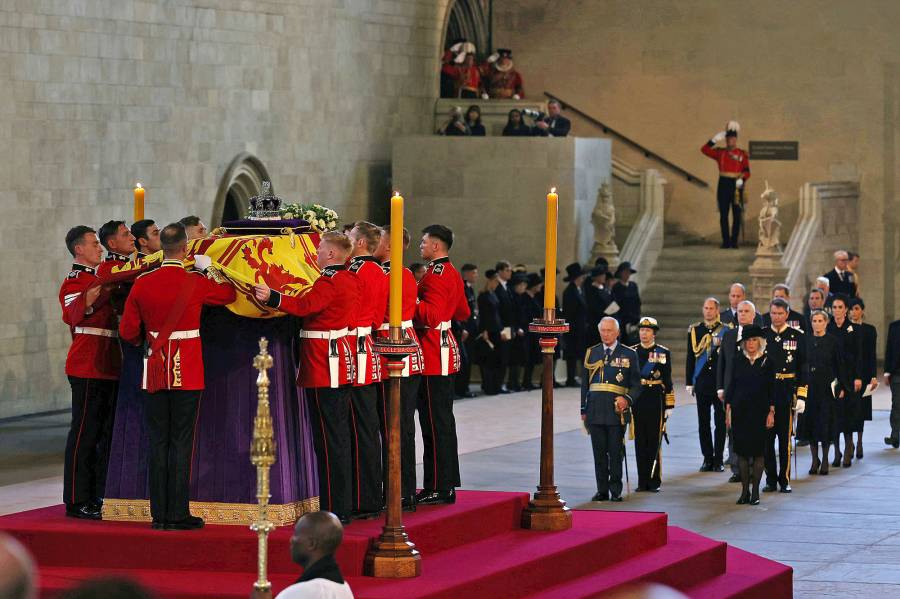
[441, 301]
[147, 311]
[464, 78]
[501, 84]
[94, 353]
[117, 268]
[326, 359]
[734, 164]
[373, 298]
[413, 364]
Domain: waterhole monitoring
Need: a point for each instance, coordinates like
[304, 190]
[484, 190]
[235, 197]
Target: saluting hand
[262, 292]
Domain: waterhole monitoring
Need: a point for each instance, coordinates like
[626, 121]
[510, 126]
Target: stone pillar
[765, 272]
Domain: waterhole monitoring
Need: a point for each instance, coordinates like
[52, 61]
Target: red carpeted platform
[472, 549]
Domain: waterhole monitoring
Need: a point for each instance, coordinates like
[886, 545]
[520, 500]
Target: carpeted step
[686, 559]
[747, 576]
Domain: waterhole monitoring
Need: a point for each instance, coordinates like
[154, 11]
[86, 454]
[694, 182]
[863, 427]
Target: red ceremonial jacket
[414, 363]
[373, 297]
[117, 268]
[147, 311]
[327, 308]
[441, 300]
[94, 353]
[732, 163]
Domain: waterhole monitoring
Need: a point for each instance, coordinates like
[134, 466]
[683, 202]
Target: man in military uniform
[703, 342]
[610, 382]
[786, 348]
[500, 79]
[734, 170]
[653, 405]
[146, 237]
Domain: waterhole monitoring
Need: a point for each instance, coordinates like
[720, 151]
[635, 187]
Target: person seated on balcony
[500, 79]
[473, 121]
[459, 66]
[552, 124]
[455, 125]
[515, 126]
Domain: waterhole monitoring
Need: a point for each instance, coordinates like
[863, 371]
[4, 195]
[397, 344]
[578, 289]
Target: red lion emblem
[273, 275]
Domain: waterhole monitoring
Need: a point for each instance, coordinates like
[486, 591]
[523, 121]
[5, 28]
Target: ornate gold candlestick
[262, 455]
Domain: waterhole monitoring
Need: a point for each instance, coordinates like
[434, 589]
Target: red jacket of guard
[441, 300]
[94, 353]
[732, 163]
[373, 299]
[147, 311]
[327, 308]
[414, 363]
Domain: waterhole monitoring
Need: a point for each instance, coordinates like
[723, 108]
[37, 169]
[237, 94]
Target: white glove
[493, 57]
[668, 413]
[690, 389]
[718, 137]
[740, 184]
[485, 97]
[202, 261]
[720, 393]
[469, 48]
[517, 97]
[460, 58]
[801, 406]
[456, 47]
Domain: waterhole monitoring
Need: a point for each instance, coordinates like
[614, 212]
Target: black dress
[750, 396]
[825, 364]
[629, 299]
[597, 299]
[849, 409]
[868, 339]
[575, 313]
[486, 351]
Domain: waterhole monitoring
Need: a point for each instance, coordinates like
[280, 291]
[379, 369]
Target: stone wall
[98, 94]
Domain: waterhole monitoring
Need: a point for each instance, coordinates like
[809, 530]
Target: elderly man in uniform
[611, 381]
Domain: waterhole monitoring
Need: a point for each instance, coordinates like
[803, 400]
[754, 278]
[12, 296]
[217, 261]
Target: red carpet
[472, 549]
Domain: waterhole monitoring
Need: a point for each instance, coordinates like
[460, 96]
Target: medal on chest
[619, 377]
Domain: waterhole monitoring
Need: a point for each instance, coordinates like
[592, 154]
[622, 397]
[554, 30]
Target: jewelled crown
[265, 206]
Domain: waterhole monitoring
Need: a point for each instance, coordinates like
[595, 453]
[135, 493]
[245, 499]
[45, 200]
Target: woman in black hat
[518, 347]
[750, 408]
[625, 293]
[575, 313]
[489, 326]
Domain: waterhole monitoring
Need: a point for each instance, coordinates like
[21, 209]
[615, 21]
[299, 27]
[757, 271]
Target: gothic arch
[469, 19]
[242, 180]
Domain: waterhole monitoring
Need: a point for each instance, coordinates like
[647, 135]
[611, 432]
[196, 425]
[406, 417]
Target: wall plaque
[774, 150]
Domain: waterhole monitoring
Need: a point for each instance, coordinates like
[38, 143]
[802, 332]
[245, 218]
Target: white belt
[334, 357]
[360, 331]
[191, 334]
[386, 326]
[96, 331]
[336, 334]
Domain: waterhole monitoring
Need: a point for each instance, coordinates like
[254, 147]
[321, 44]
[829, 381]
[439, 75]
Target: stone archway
[470, 19]
[242, 180]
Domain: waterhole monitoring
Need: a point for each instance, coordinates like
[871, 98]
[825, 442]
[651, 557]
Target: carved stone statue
[769, 225]
[604, 220]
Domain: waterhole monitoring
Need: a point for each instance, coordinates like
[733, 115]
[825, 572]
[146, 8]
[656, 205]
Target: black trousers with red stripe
[409, 393]
[329, 418]
[90, 435]
[365, 449]
[171, 419]
[440, 454]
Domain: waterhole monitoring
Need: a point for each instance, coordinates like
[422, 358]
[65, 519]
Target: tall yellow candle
[550, 250]
[396, 281]
[138, 203]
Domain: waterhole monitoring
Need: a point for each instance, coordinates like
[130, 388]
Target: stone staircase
[686, 273]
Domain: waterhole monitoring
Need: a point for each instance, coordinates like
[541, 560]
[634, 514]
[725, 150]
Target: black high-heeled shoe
[814, 469]
[744, 499]
[754, 498]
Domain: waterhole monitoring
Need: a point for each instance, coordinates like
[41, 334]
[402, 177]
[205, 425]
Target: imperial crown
[265, 206]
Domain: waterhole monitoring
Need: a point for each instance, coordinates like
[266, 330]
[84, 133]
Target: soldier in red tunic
[411, 377]
[441, 301]
[327, 364]
[459, 66]
[163, 310]
[734, 170]
[499, 77]
[365, 444]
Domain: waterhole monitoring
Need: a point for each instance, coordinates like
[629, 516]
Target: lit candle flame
[138, 185]
[396, 193]
[552, 190]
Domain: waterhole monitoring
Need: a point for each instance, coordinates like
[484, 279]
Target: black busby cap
[573, 271]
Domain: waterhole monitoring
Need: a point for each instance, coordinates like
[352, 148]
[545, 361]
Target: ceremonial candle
[550, 251]
[138, 203]
[396, 297]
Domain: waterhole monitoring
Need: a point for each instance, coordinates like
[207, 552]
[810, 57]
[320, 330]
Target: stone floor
[840, 533]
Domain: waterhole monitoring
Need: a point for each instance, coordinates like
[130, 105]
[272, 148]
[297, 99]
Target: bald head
[316, 535]
[16, 570]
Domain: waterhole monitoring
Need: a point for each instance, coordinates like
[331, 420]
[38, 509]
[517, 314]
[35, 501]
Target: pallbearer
[653, 405]
[441, 300]
[409, 383]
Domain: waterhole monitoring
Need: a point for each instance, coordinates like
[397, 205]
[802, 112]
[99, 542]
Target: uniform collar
[786, 327]
[114, 256]
[330, 270]
[386, 265]
[325, 568]
[437, 261]
[83, 268]
[141, 255]
[612, 347]
[367, 258]
[172, 263]
[651, 346]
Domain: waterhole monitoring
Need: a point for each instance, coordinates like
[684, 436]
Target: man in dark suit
[840, 279]
[467, 332]
[575, 313]
[553, 124]
[892, 378]
[507, 317]
[736, 294]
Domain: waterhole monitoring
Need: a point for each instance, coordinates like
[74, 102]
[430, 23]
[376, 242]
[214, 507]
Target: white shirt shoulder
[317, 588]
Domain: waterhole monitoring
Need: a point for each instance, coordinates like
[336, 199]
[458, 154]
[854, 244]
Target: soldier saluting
[653, 405]
[734, 170]
[609, 383]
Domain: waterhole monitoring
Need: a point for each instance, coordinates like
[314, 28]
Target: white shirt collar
[612, 347]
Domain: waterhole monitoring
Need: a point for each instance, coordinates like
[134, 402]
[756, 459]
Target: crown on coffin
[266, 205]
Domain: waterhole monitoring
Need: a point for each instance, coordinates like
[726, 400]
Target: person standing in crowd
[515, 125]
[328, 310]
[746, 316]
[553, 124]
[501, 80]
[598, 299]
[786, 349]
[146, 237]
[489, 327]
[824, 364]
[610, 383]
[507, 319]
[853, 269]
[626, 294]
[455, 125]
[441, 301]
[816, 301]
[473, 121]
[795, 320]
[518, 347]
[868, 367]
[823, 284]
[532, 340]
[750, 409]
[653, 405]
[734, 170]
[892, 380]
[418, 270]
[736, 294]
[575, 313]
[704, 341]
[840, 279]
[193, 227]
[849, 409]
[316, 538]
[467, 331]
[163, 310]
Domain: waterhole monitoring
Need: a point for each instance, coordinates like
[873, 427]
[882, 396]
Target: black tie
[608, 354]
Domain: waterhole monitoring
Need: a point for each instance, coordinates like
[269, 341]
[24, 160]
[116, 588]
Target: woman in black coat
[518, 347]
[626, 294]
[473, 121]
[487, 355]
[750, 409]
[575, 313]
[868, 341]
[849, 409]
[534, 308]
[825, 364]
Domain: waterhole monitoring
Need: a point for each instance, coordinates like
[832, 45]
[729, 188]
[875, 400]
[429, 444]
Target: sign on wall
[774, 150]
